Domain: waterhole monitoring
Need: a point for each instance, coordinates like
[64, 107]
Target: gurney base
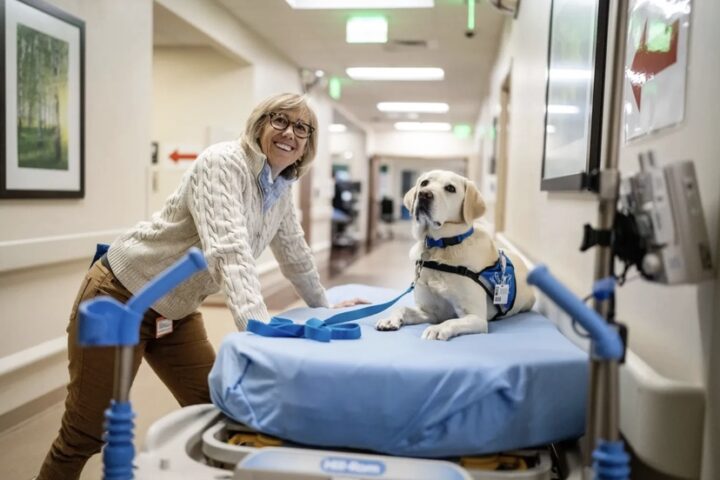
[192, 443]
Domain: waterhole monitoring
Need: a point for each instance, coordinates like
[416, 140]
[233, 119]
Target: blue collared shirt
[272, 189]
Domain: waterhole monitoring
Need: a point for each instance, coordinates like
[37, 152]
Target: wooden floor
[23, 447]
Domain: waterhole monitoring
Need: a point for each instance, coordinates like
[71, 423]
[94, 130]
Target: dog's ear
[409, 199]
[473, 203]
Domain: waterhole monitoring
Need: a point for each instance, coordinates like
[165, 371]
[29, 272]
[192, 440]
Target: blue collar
[448, 241]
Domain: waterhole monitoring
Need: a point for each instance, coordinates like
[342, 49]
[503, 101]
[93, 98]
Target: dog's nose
[425, 196]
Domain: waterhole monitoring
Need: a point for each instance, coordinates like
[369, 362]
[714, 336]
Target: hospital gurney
[192, 443]
[515, 398]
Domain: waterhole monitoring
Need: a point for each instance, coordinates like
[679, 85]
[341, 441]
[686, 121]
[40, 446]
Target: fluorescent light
[339, 4]
[563, 109]
[396, 73]
[366, 30]
[419, 107]
[423, 126]
[337, 128]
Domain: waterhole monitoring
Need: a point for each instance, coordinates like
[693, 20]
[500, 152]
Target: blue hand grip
[106, 322]
[606, 340]
[119, 450]
[610, 461]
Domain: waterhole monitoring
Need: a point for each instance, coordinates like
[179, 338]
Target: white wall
[420, 144]
[46, 245]
[273, 72]
[195, 89]
[322, 184]
[670, 328]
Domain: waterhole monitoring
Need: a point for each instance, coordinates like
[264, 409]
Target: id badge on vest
[502, 292]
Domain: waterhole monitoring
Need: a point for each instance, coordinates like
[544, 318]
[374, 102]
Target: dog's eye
[450, 188]
[424, 183]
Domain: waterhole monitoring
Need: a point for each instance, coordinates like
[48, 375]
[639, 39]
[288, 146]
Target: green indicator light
[462, 130]
[334, 88]
[471, 15]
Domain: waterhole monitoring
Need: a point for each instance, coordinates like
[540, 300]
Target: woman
[232, 203]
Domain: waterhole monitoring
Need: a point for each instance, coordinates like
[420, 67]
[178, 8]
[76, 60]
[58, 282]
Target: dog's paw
[437, 332]
[388, 324]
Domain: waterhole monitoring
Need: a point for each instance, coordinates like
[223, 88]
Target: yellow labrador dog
[464, 280]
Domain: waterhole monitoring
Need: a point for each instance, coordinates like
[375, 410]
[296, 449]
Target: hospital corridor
[359, 240]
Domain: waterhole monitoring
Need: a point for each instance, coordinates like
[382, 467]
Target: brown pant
[182, 359]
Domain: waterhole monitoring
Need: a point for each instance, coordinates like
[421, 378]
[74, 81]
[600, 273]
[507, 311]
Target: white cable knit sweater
[218, 207]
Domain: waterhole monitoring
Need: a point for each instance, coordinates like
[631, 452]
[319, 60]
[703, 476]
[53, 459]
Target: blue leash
[332, 328]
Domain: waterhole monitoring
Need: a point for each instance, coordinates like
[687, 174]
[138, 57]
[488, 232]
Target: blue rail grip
[606, 340]
[610, 461]
[119, 450]
[167, 280]
[105, 322]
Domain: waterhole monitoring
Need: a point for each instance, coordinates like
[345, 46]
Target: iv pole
[603, 412]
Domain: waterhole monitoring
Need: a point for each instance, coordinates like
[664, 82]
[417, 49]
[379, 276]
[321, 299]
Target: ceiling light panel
[366, 30]
[423, 126]
[359, 4]
[416, 74]
[417, 107]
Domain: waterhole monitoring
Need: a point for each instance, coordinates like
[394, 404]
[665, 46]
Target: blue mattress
[521, 385]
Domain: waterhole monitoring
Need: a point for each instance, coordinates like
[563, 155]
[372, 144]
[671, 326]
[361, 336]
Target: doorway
[503, 137]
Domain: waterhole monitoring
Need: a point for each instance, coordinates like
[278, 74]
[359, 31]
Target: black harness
[488, 278]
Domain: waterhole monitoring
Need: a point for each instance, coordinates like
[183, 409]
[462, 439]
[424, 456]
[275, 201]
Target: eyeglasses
[279, 121]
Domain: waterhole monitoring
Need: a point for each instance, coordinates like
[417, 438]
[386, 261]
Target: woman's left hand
[351, 303]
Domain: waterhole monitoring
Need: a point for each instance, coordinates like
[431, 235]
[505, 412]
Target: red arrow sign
[648, 63]
[176, 156]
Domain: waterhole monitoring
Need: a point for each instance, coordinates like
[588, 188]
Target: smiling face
[283, 147]
[440, 197]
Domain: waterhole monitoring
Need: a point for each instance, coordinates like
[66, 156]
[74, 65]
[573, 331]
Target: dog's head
[440, 197]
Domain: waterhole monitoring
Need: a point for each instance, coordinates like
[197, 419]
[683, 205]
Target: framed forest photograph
[42, 101]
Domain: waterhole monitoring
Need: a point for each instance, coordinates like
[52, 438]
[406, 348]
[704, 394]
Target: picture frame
[42, 99]
[574, 94]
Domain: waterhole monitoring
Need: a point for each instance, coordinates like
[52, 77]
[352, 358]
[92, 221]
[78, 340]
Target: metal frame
[581, 180]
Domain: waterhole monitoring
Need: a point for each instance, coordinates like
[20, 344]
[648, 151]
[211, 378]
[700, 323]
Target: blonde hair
[284, 102]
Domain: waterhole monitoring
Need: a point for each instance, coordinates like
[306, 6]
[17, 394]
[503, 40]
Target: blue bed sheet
[521, 385]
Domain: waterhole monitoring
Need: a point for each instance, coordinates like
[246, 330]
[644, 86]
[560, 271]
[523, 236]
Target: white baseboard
[32, 373]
